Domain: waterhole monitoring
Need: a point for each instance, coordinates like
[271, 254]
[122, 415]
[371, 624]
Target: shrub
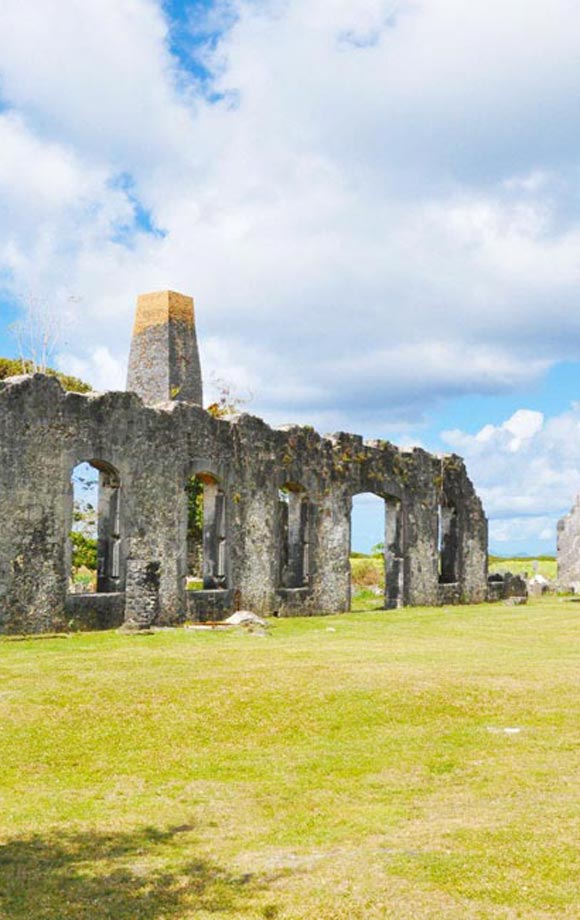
[12, 367]
[84, 551]
[368, 573]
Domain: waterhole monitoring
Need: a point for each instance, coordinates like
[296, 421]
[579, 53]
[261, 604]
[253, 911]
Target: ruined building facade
[276, 510]
[569, 550]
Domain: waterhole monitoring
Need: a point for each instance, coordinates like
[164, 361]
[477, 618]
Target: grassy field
[404, 764]
[546, 566]
[370, 570]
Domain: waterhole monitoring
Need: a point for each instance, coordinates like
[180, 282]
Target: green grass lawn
[546, 565]
[405, 764]
[370, 570]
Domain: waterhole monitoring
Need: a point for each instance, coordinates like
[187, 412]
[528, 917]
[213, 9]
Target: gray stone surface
[95, 611]
[569, 550]
[507, 585]
[153, 452]
[164, 359]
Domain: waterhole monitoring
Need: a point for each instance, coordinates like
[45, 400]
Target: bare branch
[38, 333]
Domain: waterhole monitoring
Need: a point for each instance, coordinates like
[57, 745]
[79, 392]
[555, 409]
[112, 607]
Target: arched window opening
[206, 534]
[447, 545]
[95, 537]
[367, 556]
[376, 558]
[294, 515]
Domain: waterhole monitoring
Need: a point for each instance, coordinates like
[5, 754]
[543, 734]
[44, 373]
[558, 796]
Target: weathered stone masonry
[289, 557]
[569, 550]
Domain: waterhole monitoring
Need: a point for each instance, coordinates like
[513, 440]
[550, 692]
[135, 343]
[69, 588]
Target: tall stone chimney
[164, 359]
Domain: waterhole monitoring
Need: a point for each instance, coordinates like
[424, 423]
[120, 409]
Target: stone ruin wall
[147, 455]
[45, 433]
[568, 551]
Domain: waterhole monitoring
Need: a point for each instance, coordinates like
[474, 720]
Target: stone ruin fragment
[568, 551]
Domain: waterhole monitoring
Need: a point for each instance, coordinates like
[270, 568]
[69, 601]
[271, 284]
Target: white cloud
[527, 471]
[98, 73]
[518, 531]
[100, 367]
[523, 425]
[511, 436]
[379, 213]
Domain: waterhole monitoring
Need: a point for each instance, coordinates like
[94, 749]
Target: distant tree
[84, 551]
[12, 367]
[85, 479]
[84, 534]
[38, 332]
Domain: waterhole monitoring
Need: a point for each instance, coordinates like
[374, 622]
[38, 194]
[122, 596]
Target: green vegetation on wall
[195, 511]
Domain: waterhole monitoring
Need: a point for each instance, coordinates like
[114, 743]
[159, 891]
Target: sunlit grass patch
[405, 763]
[518, 565]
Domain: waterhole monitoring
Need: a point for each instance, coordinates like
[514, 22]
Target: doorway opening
[294, 522]
[376, 557]
[206, 534]
[96, 564]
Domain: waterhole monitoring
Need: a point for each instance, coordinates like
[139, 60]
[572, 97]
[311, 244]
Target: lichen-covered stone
[45, 433]
[154, 450]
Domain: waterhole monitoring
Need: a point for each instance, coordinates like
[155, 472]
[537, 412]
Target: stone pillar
[331, 564]
[214, 537]
[448, 546]
[421, 551]
[257, 560]
[569, 550]
[295, 534]
[142, 600]
[164, 360]
[109, 561]
[394, 554]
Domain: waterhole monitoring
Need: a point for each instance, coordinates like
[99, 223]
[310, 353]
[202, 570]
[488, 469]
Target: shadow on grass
[367, 602]
[93, 876]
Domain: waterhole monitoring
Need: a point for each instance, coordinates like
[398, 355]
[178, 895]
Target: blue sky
[9, 315]
[374, 202]
[551, 394]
